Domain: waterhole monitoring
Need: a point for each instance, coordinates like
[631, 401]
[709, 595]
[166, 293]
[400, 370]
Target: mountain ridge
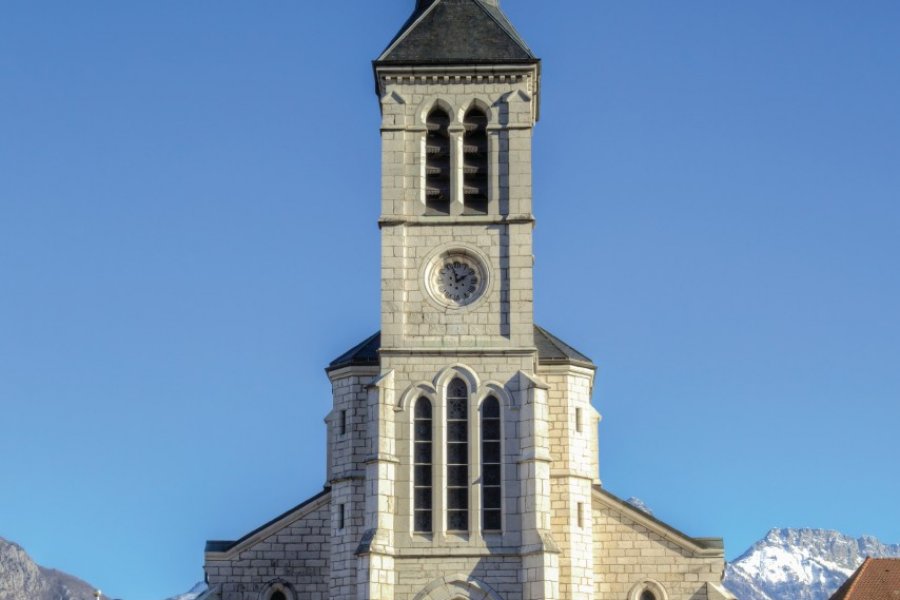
[786, 564]
[801, 563]
[23, 579]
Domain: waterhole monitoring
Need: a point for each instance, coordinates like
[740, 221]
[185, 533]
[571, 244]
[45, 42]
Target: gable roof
[226, 546]
[875, 579]
[707, 546]
[551, 351]
[457, 32]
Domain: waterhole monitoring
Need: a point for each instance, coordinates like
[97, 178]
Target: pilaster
[375, 562]
[540, 561]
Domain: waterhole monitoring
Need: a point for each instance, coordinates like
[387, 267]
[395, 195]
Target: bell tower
[458, 90]
[443, 424]
[460, 464]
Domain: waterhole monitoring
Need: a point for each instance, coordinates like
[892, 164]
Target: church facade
[462, 443]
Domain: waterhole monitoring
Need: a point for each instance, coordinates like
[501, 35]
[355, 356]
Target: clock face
[456, 279]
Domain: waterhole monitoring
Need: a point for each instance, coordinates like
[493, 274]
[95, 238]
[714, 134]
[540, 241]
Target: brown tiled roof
[875, 579]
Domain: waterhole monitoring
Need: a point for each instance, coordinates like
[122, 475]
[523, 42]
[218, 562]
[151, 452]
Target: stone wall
[627, 553]
[436, 575]
[293, 552]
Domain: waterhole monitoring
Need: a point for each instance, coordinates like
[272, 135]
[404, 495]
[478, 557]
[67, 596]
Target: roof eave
[555, 362]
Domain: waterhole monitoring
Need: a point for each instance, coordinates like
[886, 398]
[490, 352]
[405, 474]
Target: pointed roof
[457, 32]
[551, 351]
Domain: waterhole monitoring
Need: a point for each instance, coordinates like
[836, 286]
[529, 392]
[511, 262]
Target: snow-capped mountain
[800, 564]
[640, 505]
[191, 594]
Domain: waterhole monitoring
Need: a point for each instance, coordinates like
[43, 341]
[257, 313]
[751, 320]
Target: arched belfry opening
[475, 163]
[437, 163]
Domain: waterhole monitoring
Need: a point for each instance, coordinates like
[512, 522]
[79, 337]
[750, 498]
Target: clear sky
[188, 204]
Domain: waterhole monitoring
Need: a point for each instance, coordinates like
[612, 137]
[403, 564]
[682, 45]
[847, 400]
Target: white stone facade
[560, 536]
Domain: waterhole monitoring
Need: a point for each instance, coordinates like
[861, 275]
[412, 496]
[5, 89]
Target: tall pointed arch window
[437, 163]
[457, 456]
[491, 466]
[423, 467]
[475, 163]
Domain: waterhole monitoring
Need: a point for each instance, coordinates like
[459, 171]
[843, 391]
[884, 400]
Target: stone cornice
[461, 74]
[423, 221]
[457, 351]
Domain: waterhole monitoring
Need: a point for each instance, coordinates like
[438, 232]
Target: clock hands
[458, 281]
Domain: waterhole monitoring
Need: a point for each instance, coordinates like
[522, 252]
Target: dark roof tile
[457, 32]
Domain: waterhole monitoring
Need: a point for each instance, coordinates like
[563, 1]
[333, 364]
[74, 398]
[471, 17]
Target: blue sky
[188, 204]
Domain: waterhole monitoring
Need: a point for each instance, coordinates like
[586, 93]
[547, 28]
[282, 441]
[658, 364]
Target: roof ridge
[243, 538]
[407, 28]
[702, 542]
[857, 577]
[505, 27]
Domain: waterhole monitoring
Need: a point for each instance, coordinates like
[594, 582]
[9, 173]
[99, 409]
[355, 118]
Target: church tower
[459, 421]
[462, 459]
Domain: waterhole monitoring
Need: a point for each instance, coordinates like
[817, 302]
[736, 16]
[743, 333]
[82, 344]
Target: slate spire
[423, 4]
[457, 32]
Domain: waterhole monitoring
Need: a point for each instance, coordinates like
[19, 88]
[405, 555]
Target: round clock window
[456, 279]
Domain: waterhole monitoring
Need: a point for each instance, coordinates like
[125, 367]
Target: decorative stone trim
[455, 587]
[278, 585]
[454, 79]
[648, 585]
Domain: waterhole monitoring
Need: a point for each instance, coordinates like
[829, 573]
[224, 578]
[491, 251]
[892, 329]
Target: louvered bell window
[457, 456]
[491, 469]
[423, 467]
[475, 163]
[437, 163]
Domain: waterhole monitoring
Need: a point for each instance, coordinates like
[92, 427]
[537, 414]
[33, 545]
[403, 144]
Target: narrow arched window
[475, 163]
[491, 471]
[648, 595]
[277, 595]
[457, 456]
[422, 466]
[437, 163]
